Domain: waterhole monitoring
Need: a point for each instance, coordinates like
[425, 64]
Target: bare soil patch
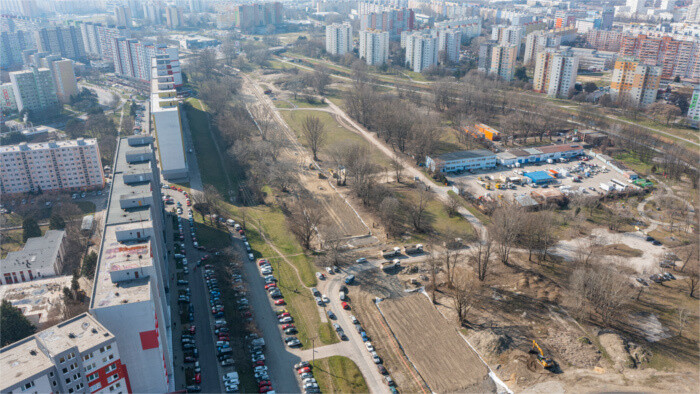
[438, 351]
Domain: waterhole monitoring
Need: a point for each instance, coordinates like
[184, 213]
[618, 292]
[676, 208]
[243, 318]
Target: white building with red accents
[78, 355]
[128, 296]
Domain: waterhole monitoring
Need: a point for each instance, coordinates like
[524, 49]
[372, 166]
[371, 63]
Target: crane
[545, 361]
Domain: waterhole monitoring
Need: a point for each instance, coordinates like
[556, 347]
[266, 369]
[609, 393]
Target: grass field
[338, 374]
[621, 250]
[12, 240]
[209, 164]
[337, 134]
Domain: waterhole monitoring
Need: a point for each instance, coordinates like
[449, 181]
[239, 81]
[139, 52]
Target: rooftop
[465, 154]
[560, 148]
[47, 145]
[40, 299]
[24, 358]
[38, 252]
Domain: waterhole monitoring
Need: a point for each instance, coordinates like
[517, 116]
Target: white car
[361, 260]
[369, 346]
[326, 299]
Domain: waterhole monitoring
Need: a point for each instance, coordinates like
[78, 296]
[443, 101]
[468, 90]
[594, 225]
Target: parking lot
[476, 183]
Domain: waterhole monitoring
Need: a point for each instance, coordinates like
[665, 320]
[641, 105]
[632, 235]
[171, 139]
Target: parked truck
[389, 265]
[389, 253]
[411, 249]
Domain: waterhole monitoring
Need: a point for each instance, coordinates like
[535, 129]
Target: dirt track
[441, 356]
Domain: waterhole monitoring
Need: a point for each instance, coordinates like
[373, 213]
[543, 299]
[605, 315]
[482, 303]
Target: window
[51, 374]
[28, 386]
[112, 367]
[62, 360]
[54, 383]
[112, 378]
[65, 370]
[92, 377]
[67, 380]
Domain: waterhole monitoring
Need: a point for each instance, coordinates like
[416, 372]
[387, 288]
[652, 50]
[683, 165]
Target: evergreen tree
[30, 229]
[13, 324]
[56, 222]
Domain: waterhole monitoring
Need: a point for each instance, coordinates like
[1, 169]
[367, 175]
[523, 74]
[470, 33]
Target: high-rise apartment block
[421, 51]
[508, 35]
[694, 106]
[173, 17]
[76, 356]
[635, 83]
[251, 17]
[123, 16]
[393, 20]
[66, 41]
[537, 42]
[555, 73]
[7, 98]
[499, 60]
[128, 296]
[604, 40]
[339, 38]
[677, 58]
[132, 59]
[374, 46]
[11, 46]
[449, 43]
[469, 27]
[99, 39]
[693, 14]
[152, 13]
[166, 120]
[62, 72]
[72, 165]
[34, 90]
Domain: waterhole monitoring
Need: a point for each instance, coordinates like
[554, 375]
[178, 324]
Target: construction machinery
[545, 361]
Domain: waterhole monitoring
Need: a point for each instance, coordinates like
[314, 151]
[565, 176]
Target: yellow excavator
[545, 361]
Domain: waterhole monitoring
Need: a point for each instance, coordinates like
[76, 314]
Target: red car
[261, 262]
[264, 383]
[259, 363]
[265, 389]
[206, 257]
[280, 302]
[193, 329]
[345, 305]
[179, 189]
[247, 314]
[303, 370]
[286, 326]
[198, 378]
[269, 286]
[285, 314]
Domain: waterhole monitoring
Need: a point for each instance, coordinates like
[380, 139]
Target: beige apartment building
[73, 165]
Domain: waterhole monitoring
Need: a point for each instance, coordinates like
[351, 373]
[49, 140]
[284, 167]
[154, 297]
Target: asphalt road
[278, 358]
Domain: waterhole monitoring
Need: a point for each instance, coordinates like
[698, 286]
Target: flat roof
[538, 175]
[38, 252]
[560, 148]
[47, 145]
[466, 154]
[116, 255]
[24, 359]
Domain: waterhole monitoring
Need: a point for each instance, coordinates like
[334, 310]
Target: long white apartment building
[72, 165]
[339, 38]
[555, 73]
[132, 59]
[98, 39]
[374, 47]
[470, 27]
[421, 50]
[128, 297]
[166, 120]
[79, 355]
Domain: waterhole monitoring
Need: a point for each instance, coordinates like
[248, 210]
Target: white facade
[76, 356]
[7, 98]
[469, 27]
[562, 74]
[166, 120]
[538, 41]
[128, 296]
[34, 89]
[64, 165]
[449, 41]
[421, 51]
[339, 38]
[374, 46]
[462, 160]
[41, 257]
[132, 59]
[503, 61]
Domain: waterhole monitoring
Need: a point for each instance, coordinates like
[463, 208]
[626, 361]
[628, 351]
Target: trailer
[607, 187]
[553, 173]
[389, 253]
[389, 265]
[622, 185]
[410, 249]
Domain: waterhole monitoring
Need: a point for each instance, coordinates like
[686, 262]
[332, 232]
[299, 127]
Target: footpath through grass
[210, 166]
[338, 374]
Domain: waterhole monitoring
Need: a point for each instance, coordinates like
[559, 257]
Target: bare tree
[480, 256]
[417, 208]
[506, 226]
[602, 288]
[682, 318]
[587, 251]
[465, 294]
[451, 258]
[304, 219]
[390, 211]
[262, 118]
[693, 278]
[314, 132]
[397, 166]
[433, 268]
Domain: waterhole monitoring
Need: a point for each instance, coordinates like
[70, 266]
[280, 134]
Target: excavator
[545, 361]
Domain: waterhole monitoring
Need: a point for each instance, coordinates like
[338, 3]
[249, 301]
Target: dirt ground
[437, 350]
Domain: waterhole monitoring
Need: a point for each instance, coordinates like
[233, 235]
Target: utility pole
[313, 352]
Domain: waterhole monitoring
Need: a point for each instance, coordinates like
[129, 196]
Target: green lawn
[338, 374]
[12, 240]
[209, 235]
[209, 164]
[337, 134]
[634, 163]
[283, 104]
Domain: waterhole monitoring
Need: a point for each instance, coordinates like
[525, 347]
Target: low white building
[41, 257]
[462, 160]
